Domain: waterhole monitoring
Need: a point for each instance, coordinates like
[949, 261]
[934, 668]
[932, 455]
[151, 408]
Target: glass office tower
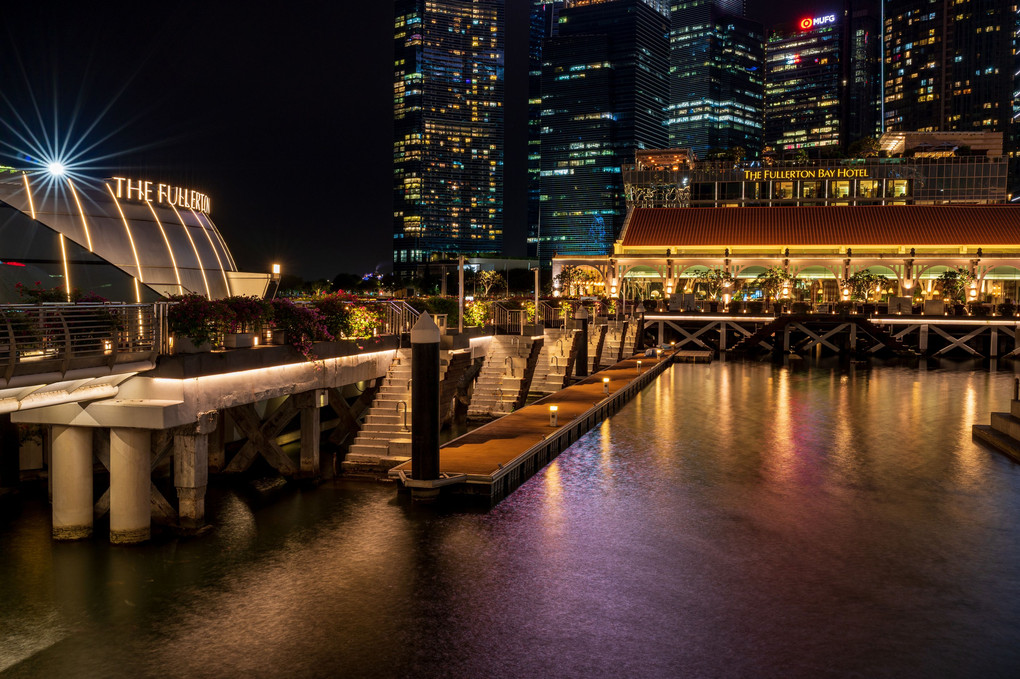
[604, 93]
[448, 129]
[716, 77]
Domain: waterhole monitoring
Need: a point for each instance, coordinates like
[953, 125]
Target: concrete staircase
[629, 336]
[596, 343]
[616, 332]
[1004, 432]
[553, 361]
[384, 441]
[500, 381]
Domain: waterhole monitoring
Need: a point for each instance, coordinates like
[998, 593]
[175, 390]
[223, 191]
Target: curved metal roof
[168, 248]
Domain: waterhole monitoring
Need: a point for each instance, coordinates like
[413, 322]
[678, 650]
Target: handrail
[62, 337]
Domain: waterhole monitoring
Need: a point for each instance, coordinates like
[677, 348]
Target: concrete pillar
[191, 476]
[217, 447]
[71, 474]
[309, 404]
[581, 363]
[424, 402]
[10, 453]
[130, 495]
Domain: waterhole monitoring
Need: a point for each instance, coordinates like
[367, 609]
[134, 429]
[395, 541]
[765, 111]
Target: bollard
[425, 399]
[582, 352]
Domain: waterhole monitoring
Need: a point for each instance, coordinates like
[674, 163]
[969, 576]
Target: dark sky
[281, 113]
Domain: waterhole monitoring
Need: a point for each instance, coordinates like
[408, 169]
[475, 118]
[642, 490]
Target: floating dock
[491, 461]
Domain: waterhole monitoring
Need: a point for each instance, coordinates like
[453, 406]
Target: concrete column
[311, 432]
[581, 363]
[191, 476]
[71, 474]
[424, 403]
[130, 496]
[217, 448]
[10, 453]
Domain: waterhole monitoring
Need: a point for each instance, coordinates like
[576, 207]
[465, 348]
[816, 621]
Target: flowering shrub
[476, 312]
[302, 325]
[362, 321]
[245, 314]
[195, 317]
[335, 312]
[40, 295]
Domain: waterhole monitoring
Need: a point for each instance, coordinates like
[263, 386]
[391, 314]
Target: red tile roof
[900, 225]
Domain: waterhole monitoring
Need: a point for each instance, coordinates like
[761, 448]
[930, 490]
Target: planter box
[279, 337]
[239, 340]
[184, 345]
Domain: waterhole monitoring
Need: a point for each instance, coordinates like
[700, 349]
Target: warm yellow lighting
[81, 212]
[552, 415]
[276, 269]
[173, 260]
[131, 242]
[194, 248]
[605, 385]
[28, 191]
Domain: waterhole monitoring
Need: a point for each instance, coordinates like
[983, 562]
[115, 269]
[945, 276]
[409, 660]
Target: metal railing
[399, 317]
[508, 321]
[60, 337]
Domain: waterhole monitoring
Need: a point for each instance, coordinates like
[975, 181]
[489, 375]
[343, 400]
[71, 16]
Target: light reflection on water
[735, 519]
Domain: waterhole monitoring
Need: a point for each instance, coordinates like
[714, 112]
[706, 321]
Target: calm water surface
[734, 520]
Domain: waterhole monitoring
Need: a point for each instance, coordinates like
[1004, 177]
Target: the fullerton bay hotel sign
[162, 194]
[807, 173]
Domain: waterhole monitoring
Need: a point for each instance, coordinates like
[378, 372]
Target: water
[733, 520]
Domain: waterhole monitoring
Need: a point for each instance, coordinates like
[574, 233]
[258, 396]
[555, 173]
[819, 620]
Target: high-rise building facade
[716, 77]
[949, 64]
[822, 80]
[448, 129]
[604, 94]
[543, 17]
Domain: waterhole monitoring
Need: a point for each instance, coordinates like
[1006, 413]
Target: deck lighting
[605, 385]
[658, 352]
[639, 367]
[552, 415]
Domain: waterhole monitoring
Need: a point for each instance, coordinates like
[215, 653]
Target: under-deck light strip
[201, 267]
[84, 222]
[28, 190]
[219, 262]
[170, 250]
[131, 241]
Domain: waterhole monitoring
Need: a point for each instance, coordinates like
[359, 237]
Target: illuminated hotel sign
[810, 173]
[162, 194]
[809, 23]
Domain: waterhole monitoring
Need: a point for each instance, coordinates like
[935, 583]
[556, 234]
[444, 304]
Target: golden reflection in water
[845, 453]
[780, 442]
[968, 468]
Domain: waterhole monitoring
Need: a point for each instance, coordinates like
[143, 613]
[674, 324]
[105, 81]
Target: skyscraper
[822, 80]
[448, 129]
[949, 64]
[716, 73]
[543, 17]
[604, 93]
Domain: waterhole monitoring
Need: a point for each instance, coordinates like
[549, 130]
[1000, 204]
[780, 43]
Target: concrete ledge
[184, 366]
[1004, 444]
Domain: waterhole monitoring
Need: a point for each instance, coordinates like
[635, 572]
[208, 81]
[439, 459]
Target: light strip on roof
[28, 190]
[67, 272]
[84, 222]
[131, 241]
[226, 283]
[201, 267]
[170, 250]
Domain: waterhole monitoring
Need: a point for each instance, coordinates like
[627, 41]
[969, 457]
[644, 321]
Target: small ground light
[552, 415]
[639, 367]
[605, 385]
[658, 352]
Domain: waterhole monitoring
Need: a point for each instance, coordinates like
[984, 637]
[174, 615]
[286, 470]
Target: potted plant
[194, 322]
[244, 318]
[334, 309]
[1007, 308]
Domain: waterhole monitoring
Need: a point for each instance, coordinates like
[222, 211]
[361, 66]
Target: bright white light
[56, 168]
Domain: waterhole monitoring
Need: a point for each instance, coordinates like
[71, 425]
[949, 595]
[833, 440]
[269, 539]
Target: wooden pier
[491, 461]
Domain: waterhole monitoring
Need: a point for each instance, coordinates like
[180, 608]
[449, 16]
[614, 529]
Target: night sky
[281, 113]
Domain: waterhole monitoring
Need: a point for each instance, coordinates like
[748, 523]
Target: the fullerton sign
[163, 194]
[810, 173]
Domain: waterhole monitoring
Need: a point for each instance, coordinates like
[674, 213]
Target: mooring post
[425, 404]
[581, 316]
[639, 339]
[1016, 389]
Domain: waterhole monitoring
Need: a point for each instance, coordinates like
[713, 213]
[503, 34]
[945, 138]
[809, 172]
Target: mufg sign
[808, 23]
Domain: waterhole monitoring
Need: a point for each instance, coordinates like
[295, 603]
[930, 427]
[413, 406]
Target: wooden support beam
[260, 437]
[692, 337]
[954, 342]
[820, 339]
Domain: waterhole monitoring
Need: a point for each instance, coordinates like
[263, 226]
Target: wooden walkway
[497, 457]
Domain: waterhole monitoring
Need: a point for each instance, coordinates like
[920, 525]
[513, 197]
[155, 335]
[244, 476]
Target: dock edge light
[552, 415]
[639, 367]
[605, 385]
